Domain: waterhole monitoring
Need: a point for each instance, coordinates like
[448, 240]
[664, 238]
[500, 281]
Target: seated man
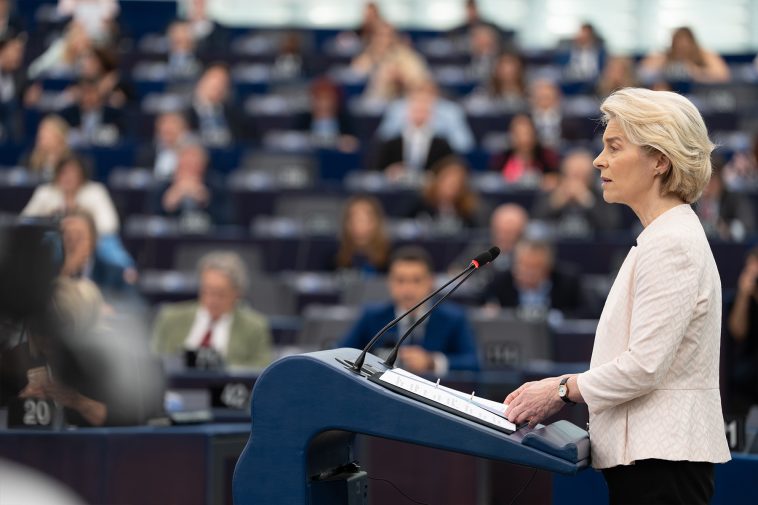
[444, 341]
[218, 320]
[535, 284]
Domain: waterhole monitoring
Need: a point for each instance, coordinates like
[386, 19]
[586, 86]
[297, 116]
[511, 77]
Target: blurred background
[192, 189]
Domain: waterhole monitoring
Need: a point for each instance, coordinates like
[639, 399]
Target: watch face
[562, 390]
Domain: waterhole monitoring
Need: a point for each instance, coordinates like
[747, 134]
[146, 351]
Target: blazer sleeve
[359, 334]
[464, 356]
[665, 293]
[100, 204]
[39, 204]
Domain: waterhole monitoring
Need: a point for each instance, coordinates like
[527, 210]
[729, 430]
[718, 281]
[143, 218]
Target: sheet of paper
[444, 396]
[499, 407]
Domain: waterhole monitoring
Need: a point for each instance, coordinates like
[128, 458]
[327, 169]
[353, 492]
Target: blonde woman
[652, 389]
[50, 147]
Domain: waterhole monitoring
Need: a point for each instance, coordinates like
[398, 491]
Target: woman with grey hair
[652, 389]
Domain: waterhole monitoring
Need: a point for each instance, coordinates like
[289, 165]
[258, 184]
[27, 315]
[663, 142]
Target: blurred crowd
[484, 142]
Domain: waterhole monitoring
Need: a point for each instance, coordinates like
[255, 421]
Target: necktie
[206, 342]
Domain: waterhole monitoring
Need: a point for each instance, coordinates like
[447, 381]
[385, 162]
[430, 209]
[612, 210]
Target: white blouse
[93, 197]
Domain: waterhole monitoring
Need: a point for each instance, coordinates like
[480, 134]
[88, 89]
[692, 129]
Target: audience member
[507, 226]
[585, 57]
[390, 64]
[418, 147]
[11, 25]
[328, 120]
[171, 135]
[290, 63]
[193, 193]
[473, 19]
[71, 189]
[536, 284]
[507, 84]
[448, 119]
[96, 17]
[741, 173]
[372, 20]
[447, 201]
[547, 113]
[212, 115]
[211, 38]
[364, 243]
[101, 66]
[98, 377]
[79, 234]
[182, 63]
[64, 55]
[742, 323]
[483, 51]
[219, 319]
[50, 147]
[92, 121]
[13, 89]
[575, 207]
[685, 60]
[619, 72]
[444, 341]
[526, 161]
[724, 214]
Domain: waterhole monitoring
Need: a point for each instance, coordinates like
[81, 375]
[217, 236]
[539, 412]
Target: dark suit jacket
[565, 295]
[219, 208]
[111, 116]
[447, 331]
[235, 122]
[391, 151]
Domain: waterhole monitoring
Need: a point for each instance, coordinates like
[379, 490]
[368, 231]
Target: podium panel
[306, 410]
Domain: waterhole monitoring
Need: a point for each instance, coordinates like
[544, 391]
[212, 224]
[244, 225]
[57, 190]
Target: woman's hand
[534, 401]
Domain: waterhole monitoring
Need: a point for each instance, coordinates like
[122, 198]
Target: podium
[307, 409]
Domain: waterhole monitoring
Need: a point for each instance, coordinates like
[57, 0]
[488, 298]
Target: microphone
[480, 260]
[493, 253]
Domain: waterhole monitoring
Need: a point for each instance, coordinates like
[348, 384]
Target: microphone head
[494, 252]
[482, 259]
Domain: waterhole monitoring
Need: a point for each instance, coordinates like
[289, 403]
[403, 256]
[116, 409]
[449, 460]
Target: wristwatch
[563, 391]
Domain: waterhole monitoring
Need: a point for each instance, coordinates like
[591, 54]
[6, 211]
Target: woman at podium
[652, 390]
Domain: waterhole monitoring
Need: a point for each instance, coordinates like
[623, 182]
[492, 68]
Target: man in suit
[535, 284]
[418, 147]
[218, 320]
[94, 123]
[445, 341]
[212, 115]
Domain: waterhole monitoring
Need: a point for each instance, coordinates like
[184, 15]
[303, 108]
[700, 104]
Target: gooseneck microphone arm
[480, 260]
[390, 361]
[358, 363]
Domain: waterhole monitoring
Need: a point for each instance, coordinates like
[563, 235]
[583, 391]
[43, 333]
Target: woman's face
[522, 133]
[508, 69]
[626, 170]
[682, 45]
[362, 222]
[70, 178]
[49, 138]
[450, 182]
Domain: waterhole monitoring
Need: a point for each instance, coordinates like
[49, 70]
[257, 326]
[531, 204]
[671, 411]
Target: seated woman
[364, 244]
[50, 147]
[685, 60]
[328, 121]
[526, 160]
[71, 189]
[447, 200]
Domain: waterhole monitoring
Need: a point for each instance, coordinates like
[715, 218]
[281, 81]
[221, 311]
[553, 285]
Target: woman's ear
[662, 163]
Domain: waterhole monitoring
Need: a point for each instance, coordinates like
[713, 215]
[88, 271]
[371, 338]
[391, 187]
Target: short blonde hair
[670, 124]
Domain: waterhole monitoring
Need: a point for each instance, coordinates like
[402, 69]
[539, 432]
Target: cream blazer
[653, 384]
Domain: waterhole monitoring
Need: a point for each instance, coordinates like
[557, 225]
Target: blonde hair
[665, 122]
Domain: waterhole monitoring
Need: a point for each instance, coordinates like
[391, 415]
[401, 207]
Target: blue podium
[307, 409]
